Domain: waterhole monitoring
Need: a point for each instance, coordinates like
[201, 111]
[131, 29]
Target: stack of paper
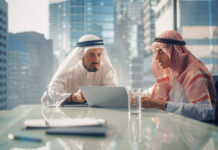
[75, 122]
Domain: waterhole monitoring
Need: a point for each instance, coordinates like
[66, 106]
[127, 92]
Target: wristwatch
[165, 105]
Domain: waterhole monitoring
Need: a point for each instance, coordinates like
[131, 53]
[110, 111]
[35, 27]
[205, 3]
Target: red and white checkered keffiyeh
[190, 72]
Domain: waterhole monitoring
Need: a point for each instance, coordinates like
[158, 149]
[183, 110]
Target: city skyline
[33, 17]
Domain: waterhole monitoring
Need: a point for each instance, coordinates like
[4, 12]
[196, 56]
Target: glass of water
[134, 104]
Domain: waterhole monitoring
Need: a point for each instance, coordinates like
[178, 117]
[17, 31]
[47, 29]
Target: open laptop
[103, 96]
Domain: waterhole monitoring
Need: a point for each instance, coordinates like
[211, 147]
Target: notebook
[85, 131]
[107, 97]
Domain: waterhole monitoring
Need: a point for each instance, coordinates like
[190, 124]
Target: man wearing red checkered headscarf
[184, 85]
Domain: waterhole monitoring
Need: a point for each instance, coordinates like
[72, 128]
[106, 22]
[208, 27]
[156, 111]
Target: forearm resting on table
[199, 111]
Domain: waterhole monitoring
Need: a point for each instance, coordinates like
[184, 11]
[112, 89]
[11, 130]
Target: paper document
[40, 123]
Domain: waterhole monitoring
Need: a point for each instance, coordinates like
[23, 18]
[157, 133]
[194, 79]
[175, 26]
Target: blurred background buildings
[28, 59]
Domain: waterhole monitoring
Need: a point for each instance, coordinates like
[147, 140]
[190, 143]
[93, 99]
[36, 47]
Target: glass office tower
[92, 17]
[59, 28]
[71, 19]
[197, 22]
[3, 53]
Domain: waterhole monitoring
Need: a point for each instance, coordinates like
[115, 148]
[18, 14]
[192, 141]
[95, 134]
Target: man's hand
[148, 102]
[76, 98]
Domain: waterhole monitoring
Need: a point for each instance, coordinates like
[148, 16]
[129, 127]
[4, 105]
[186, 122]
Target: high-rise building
[30, 67]
[149, 35]
[71, 19]
[122, 41]
[136, 33]
[59, 27]
[18, 83]
[129, 43]
[149, 23]
[197, 22]
[3, 53]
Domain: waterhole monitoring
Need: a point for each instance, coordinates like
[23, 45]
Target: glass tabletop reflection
[154, 129]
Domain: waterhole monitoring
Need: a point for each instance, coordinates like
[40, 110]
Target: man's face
[92, 59]
[161, 57]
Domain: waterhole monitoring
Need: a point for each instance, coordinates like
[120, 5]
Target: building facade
[30, 67]
[59, 28]
[71, 19]
[122, 41]
[3, 53]
[197, 22]
[149, 23]
[129, 42]
[149, 20]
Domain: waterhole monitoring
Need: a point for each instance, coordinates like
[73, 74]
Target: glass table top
[155, 130]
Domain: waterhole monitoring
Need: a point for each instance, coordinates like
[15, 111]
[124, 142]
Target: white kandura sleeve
[200, 111]
[147, 92]
[58, 90]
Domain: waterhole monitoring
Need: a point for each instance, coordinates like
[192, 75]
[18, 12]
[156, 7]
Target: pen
[23, 138]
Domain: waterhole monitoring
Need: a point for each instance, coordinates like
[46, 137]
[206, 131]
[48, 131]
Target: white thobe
[68, 83]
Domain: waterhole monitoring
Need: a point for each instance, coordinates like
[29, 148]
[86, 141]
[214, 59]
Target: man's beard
[92, 69]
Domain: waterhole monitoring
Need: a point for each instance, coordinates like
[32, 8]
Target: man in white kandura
[87, 65]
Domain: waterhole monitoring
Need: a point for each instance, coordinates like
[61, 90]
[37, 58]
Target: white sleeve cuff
[148, 92]
[199, 111]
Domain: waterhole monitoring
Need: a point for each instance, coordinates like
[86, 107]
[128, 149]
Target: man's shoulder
[196, 75]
